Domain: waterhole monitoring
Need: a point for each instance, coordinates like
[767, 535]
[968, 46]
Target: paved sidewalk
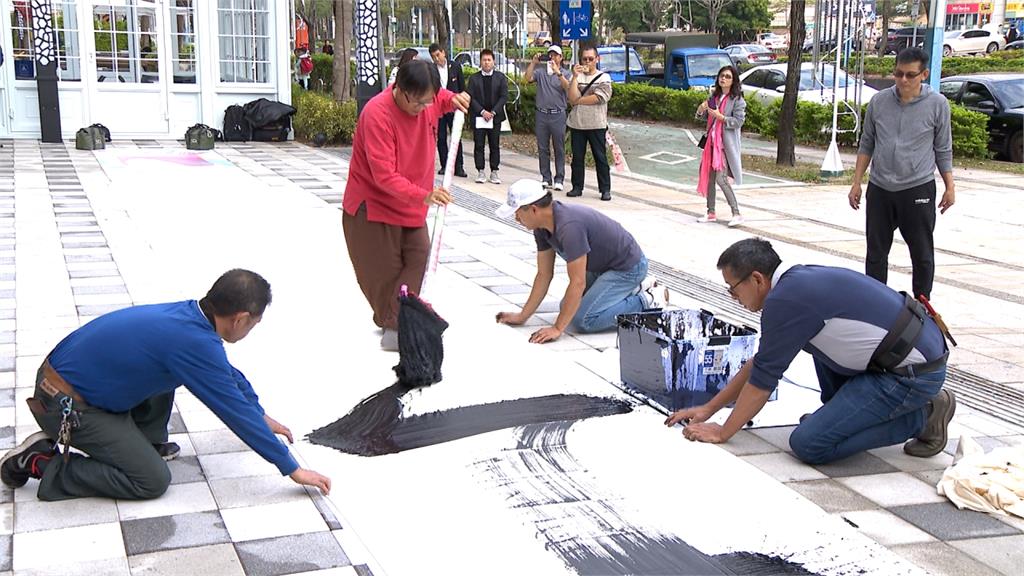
[71, 253]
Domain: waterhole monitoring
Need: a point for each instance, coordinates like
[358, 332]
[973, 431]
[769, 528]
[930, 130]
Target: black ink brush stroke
[548, 485]
[375, 426]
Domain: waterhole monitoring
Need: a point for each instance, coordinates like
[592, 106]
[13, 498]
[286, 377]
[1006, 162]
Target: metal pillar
[46, 71]
[833, 164]
[933, 41]
[369, 60]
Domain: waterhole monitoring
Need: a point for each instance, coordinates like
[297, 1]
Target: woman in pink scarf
[725, 111]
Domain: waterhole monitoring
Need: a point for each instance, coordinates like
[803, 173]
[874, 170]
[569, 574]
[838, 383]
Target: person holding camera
[589, 93]
[552, 87]
[720, 163]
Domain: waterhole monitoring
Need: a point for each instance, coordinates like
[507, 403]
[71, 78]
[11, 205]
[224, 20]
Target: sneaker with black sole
[574, 193]
[558, 186]
[168, 450]
[656, 296]
[933, 438]
[23, 461]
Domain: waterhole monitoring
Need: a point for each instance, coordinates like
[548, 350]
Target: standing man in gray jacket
[906, 136]
[552, 86]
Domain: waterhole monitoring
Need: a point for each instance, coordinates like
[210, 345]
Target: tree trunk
[883, 47]
[342, 80]
[786, 152]
[442, 22]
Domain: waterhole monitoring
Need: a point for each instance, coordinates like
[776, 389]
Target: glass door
[130, 67]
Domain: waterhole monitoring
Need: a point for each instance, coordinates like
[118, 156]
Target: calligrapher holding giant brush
[391, 186]
[879, 355]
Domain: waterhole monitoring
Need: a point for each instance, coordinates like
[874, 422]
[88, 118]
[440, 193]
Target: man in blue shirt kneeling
[880, 359]
[107, 390]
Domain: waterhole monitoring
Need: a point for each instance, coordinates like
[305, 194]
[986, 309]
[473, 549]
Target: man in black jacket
[452, 79]
[488, 91]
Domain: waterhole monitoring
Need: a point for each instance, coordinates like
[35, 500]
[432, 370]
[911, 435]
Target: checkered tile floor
[229, 512]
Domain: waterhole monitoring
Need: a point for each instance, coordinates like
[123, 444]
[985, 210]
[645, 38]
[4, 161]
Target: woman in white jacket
[720, 163]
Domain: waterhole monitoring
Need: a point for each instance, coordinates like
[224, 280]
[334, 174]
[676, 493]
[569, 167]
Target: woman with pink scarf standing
[725, 111]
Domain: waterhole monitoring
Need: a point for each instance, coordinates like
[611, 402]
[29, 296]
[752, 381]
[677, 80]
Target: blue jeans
[608, 295]
[865, 411]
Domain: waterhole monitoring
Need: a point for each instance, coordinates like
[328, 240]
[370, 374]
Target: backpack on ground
[103, 130]
[200, 137]
[236, 127]
[90, 138]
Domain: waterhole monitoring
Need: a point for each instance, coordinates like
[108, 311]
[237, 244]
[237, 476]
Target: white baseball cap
[554, 48]
[521, 193]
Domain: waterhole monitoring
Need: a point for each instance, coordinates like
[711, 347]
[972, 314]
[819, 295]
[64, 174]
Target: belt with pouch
[53, 384]
[899, 342]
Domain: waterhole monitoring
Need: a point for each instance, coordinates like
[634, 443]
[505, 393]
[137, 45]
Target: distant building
[146, 68]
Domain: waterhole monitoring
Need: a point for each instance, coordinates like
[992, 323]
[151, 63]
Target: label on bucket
[715, 360]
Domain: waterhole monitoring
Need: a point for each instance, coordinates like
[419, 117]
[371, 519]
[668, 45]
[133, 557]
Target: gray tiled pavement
[225, 509]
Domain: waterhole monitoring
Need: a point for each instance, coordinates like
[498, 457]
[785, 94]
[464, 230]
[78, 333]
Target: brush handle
[441, 211]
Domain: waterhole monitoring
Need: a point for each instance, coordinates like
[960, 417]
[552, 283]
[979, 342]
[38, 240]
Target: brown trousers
[384, 257]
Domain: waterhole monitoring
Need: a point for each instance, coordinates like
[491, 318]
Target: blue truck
[678, 60]
[613, 62]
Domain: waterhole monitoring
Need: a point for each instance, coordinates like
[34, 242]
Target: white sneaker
[656, 296]
[389, 341]
[547, 185]
[559, 187]
[646, 285]
[494, 177]
[481, 177]
[709, 217]
[737, 219]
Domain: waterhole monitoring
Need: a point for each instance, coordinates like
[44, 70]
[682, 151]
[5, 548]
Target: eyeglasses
[908, 75]
[587, 59]
[725, 76]
[417, 103]
[732, 287]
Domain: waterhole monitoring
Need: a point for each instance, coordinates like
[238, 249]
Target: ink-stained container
[681, 358]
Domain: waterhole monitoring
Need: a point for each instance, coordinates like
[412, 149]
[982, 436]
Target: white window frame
[248, 13]
[69, 51]
[187, 9]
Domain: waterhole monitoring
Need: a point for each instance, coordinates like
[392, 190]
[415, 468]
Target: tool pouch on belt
[199, 137]
[900, 340]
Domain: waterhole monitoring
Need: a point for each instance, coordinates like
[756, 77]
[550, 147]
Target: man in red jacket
[390, 187]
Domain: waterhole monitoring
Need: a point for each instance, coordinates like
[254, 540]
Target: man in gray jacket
[906, 136]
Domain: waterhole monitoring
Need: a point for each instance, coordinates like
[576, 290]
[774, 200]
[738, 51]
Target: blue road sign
[574, 18]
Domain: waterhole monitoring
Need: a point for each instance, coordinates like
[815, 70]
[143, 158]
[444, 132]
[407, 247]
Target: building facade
[146, 68]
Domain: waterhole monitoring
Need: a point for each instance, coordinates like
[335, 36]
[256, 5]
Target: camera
[545, 57]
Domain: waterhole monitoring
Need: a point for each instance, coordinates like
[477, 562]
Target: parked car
[772, 41]
[1000, 96]
[902, 38]
[748, 54]
[542, 38]
[678, 60]
[1015, 45]
[613, 62]
[971, 42]
[501, 64]
[767, 83]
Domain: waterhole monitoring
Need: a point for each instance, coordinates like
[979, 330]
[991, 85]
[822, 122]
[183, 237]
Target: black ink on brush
[375, 426]
[420, 345]
[586, 528]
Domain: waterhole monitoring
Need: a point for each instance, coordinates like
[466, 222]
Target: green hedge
[813, 121]
[1006, 61]
[318, 112]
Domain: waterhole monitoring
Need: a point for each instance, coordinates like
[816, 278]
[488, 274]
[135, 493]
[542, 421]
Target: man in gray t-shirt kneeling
[607, 269]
